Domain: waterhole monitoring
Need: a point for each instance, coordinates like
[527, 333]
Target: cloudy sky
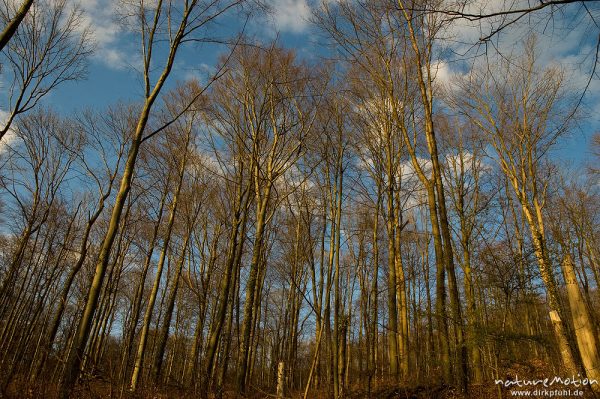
[568, 37]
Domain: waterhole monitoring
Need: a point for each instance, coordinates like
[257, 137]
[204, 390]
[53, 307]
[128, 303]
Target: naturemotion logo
[547, 382]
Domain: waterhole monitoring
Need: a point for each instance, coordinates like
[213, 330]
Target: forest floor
[418, 392]
[102, 390]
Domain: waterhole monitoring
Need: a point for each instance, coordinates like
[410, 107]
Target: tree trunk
[234, 255]
[582, 323]
[251, 291]
[139, 293]
[440, 284]
[163, 335]
[139, 359]
[280, 380]
[13, 24]
[541, 254]
[75, 357]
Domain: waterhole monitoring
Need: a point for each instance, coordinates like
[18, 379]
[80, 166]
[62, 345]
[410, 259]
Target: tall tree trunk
[163, 335]
[375, 295]
[139, 359]
[337, 319]
[234, 254]
[440, 290]
[74, 359]
[582, 323]
[13, 24]
[251, 291]
[401, 292]
[229, 328]
[392, 328]
[139, 293]
[448, 257]
[541, 253]
[471, 314]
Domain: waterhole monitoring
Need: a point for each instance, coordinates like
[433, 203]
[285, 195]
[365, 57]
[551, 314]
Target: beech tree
[351, 222]
[51, 47]
[193, 17]
[522, 116]
[13, 21]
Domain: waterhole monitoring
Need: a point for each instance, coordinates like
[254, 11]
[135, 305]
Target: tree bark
[582, 323]
[139, 359]
[14, 23]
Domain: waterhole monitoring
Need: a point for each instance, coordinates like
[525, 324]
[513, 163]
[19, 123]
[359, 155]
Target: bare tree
[35, 178]
[522, 115]
[185, 127]
[181, 26]
[272, 124]
[51, 47]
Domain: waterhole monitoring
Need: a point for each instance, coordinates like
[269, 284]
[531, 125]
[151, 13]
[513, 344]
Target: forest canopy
[296, 199]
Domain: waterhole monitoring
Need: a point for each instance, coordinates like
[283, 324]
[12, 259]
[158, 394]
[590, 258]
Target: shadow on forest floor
[419, 392]
[101, 390]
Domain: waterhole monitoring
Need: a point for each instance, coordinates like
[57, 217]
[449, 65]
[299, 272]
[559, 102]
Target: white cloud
[566, 38]
[99, 16]
[443, 75]
[98, 19]
[201, 72]
[408, 171]
[441, 71]
[10, 137]
[290, 15]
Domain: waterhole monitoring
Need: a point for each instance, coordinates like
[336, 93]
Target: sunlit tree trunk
[73, 363]
[139, 293]
[141, 351]
[163, 335]
[582, 323]
[242, 200]
[251, 286]
[13, 24]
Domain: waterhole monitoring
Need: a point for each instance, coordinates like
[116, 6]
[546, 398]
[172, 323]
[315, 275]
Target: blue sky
[568, 40]
[112, 74]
